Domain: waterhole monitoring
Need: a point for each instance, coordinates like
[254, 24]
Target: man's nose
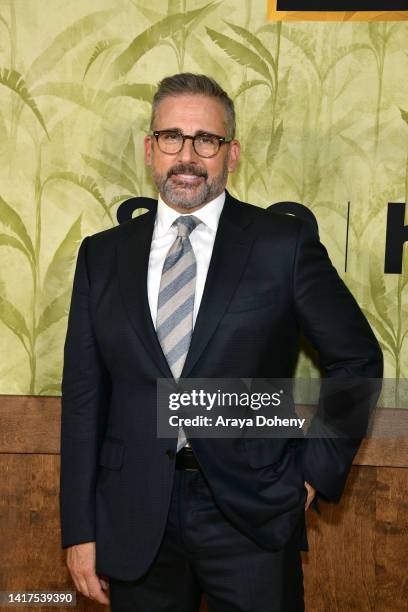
[187, 153]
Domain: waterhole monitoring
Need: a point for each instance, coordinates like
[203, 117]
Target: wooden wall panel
[391, 539]
[357, 557]
[31, 424]
[339, 569]
[31, 557]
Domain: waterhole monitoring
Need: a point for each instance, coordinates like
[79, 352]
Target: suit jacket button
[171, 454]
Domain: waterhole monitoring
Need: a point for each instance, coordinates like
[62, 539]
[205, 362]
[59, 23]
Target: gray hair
[195, 84]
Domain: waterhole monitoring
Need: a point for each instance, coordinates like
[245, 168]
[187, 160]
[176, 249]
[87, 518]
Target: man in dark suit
[201, 286]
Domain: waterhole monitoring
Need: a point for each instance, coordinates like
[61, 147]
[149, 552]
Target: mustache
[187, 169]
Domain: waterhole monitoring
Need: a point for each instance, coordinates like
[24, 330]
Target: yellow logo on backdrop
[337, 10]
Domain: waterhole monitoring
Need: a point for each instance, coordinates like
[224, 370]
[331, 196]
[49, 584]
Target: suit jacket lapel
[231, 249]
[133, 261]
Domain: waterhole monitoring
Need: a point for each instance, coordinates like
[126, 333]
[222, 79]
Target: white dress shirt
[202, 241]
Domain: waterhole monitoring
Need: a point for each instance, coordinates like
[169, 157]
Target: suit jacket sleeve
[85, 393]
[331, 319]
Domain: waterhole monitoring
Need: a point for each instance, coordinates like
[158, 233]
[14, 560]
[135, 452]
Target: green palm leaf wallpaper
[322, 117]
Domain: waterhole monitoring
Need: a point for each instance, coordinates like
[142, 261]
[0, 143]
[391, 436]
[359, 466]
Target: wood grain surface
[31, 424]
[357, 548]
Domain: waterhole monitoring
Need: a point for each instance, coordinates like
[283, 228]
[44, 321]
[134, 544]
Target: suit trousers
[203, 553]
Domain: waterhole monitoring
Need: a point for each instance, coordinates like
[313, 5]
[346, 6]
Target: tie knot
[186, 224]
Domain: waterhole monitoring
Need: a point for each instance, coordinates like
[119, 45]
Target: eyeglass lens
[205, 145]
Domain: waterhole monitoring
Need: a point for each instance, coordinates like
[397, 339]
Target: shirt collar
[208, 214]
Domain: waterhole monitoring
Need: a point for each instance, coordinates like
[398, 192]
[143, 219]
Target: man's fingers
[78, 577]
[76, 582]
[89, 585]
[104, 580]
[81, 564]
[311, 492]
[95, 590]
[83, 586]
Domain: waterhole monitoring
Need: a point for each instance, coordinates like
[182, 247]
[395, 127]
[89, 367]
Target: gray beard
[178, 196]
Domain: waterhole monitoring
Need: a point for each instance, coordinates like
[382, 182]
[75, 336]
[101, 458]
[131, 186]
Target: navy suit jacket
[269, 279]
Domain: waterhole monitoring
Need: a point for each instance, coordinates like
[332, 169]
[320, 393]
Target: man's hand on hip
[311, 492]
[81, 564]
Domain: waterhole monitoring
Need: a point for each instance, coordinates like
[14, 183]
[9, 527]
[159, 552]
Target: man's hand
[311, 492]
[81, 564]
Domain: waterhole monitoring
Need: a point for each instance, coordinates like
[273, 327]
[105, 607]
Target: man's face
[185, 180]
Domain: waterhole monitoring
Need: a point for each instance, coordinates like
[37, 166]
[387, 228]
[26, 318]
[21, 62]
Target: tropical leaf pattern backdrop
[322, 117]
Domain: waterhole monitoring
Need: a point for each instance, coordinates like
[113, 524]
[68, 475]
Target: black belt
[185, 459]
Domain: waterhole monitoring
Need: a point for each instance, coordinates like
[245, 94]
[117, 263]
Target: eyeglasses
[204, 144]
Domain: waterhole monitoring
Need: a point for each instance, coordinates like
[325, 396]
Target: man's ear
[148, 152]
[234, 153]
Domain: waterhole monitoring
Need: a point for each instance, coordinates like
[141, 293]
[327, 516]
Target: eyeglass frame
[221, 140]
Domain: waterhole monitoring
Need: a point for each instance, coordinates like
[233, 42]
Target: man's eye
[170, 136]
[206, 139]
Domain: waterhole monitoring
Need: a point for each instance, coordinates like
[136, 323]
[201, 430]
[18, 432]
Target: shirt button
[171, 454]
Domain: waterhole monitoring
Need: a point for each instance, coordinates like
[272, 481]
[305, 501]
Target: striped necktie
[174, 323]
